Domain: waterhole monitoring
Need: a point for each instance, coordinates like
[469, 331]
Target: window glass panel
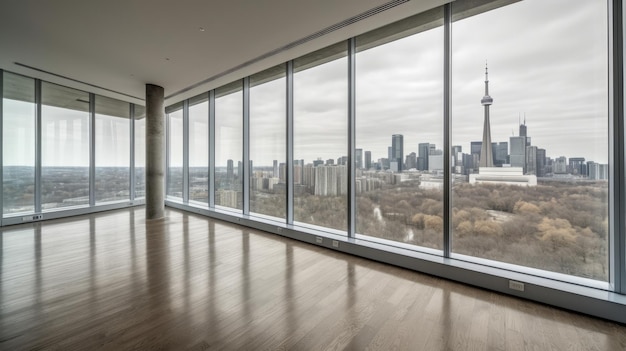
[199, 149]
[140, 151]
[175, 154]
[399, 131]
[229, 145]
[267, 142]
[320, 138]
[112, 141]
[18, 143]
[65, 147]
[531, 166]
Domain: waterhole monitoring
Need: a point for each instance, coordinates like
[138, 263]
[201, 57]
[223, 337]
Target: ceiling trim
[75, 80]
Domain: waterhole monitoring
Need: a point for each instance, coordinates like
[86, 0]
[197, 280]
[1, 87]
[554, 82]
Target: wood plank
[112, 281]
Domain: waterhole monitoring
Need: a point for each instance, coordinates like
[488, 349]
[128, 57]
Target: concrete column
[155, 152]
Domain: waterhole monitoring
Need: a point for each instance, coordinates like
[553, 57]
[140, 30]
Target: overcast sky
[547, 61]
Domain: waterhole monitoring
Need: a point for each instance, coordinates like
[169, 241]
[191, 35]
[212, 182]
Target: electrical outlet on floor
[516, 285]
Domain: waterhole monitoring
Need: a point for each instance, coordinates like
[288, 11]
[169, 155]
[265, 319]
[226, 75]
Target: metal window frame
[247, 171]
[212, 148]
[621, 36]
[131, 173]
[186, 151]
[92, 149]
[447, 131]
[167, 154]
[289, 188]
[617, 152]
[1, 146]
[351, 200]
[38, 146]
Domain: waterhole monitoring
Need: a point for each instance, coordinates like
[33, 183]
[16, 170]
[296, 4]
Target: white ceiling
[120, 45]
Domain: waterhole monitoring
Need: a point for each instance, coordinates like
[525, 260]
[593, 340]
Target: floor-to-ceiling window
[175, 152]
[18, 144]
[508, 101]
[65, 124]
[112, 150]
[320, 169]
[268, 142]
[229, 145]
[399, 131]
[199, 149]
[140, 151]
[530, 118]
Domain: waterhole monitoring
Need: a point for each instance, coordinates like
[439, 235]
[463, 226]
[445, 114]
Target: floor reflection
[116, 281]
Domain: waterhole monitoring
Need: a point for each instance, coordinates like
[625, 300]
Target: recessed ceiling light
[202, 29]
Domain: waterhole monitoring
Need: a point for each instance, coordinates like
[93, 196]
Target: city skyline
[530, 64]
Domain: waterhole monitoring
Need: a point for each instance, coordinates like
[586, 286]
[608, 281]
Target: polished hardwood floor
[114, 281]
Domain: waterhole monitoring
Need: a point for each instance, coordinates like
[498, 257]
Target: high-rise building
[297, 173]
[597, 171]
[359, 159]
[517, 155]
[422, 153]
[577, 166]
[531, 160]
[397, 146]
[486, 153]
[308, 175]
[384, 163]
[368, 159]
[501, 153]
[435, 163]
[475, 147]
[456, 159]
[230, 170]
[468, 163]
[560, 165]
[282, 172]
[275, 169]
[541, 162]
[411, 161]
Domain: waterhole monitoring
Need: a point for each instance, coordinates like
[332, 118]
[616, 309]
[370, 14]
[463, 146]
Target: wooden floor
[111, 281]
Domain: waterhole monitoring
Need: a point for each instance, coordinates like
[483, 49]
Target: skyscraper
[359, 159]
[486, 152]
[275, 169]
[522, 129]
[541, 162]
[501, 153]
[422, 160]
[531, 160]
[397, 149]
[475, 147]
[411, 161]
[230, 170]
[368, 159]
[517, 156]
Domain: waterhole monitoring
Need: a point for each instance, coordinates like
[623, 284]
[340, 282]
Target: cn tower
[486, 153]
